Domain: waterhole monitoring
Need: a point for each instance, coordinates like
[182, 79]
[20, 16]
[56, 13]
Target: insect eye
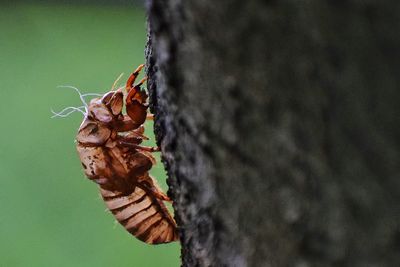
[107, 97]
[116, 103]
[101, 113]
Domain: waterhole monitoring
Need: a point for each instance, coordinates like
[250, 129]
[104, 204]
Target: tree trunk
[279, 123]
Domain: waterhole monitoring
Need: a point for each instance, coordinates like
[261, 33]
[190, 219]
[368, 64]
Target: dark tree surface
[279, 123]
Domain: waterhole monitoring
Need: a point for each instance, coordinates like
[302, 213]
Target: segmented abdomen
[143, 215]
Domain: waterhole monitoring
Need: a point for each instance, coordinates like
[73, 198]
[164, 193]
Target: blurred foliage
[51, 215]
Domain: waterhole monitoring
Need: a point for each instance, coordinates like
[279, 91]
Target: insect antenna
[116, 81]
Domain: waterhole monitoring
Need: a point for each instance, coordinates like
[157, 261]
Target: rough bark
[279, 123]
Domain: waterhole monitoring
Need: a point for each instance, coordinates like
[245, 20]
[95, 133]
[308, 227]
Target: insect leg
[127, 124]
[149, 184]
[132, 78]
[150, 116]
[137, 86]
[139, 147]
[134, 92]
[116, 81]
[159, 194]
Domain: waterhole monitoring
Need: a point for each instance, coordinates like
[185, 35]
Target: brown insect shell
[137, 112]
[122, 172]
[136, 106]
[96, 128]
[107, 108]
[96, 134]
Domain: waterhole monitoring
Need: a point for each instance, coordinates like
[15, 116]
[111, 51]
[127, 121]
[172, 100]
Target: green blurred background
[51, 215]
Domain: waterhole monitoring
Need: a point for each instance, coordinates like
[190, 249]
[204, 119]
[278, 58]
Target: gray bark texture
[279, 123]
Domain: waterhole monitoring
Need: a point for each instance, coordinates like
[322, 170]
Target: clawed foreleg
[132, 78]
[139, 147]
